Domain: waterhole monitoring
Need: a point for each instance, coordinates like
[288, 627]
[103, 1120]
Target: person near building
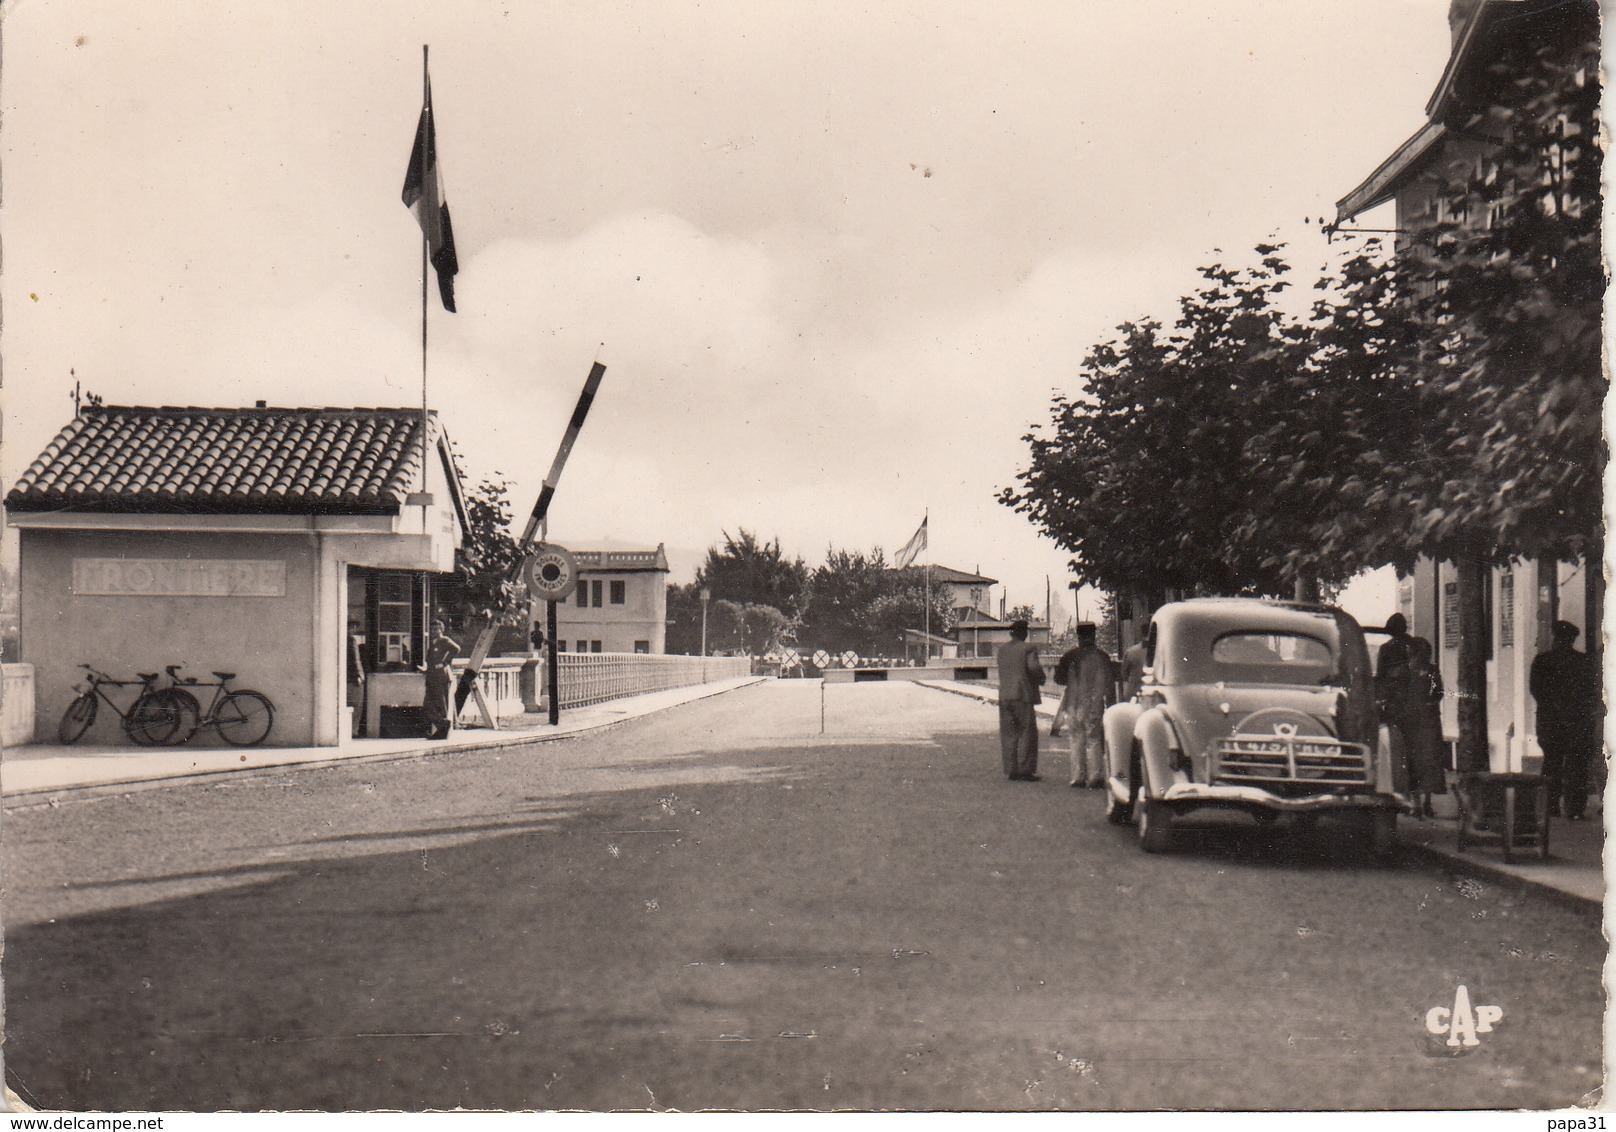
[1133, 670]
[1020, 678]
[355, 665]
[1408, 690]
[1086, 674]
[1393, 681]
[1063, 710]
[1420, 716]
[1566, 685]
[440, 653]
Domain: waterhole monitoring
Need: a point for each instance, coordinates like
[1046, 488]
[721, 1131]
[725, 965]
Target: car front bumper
[1201, 794]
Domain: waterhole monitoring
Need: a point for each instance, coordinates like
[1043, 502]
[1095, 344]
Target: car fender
[1119, 721]
[1385, 774]
[1154, 733]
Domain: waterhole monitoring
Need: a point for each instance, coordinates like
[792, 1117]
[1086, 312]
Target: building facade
[966, 591]
[1522, 599]
[620, 605]
[979, 635]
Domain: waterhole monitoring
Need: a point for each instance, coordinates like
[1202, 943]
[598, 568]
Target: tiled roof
[958, 577]
[263, 460]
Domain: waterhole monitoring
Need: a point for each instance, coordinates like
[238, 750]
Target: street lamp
[1077, 607]
[706, 596]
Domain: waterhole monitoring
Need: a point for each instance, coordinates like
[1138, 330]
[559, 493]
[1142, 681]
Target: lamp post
[1076, 608]
[706, 596]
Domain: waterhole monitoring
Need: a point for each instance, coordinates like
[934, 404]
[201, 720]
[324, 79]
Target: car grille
[1284, 763]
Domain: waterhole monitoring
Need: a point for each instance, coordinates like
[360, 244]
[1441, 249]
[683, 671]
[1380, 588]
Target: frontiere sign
[179, 577]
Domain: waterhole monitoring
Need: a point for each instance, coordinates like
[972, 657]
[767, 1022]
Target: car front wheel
[1155, 826]
[1382, 835]
[1117, 813]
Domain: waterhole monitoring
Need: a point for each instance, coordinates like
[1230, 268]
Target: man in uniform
[1570, 710]
[1020, 677]
[1090, 689]
[440, 652]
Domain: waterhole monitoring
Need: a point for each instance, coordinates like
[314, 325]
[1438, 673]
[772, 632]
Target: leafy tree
[1502, 297]
[903, 606]
[748, 627]
[1162, 473]
[842, 592]
[684, 619]
[858, 602]
[478, 585]
[1022, 613]
[744, 627]
[748, 571]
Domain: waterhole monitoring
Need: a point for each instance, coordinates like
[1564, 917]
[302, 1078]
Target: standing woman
[1422, 727]
[440, 652]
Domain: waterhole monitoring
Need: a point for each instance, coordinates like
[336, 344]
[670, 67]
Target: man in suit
[1565, 682]
[1020, 677]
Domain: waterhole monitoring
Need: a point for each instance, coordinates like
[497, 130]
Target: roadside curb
[1464, 865]
[986, 697]
[495, 741]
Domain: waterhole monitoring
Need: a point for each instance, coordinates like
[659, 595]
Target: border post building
[243, 540]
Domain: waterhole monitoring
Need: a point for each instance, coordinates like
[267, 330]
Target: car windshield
[1272, 658]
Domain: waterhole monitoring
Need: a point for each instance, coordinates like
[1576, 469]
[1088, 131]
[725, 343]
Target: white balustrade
[17, 705]
[592, 678]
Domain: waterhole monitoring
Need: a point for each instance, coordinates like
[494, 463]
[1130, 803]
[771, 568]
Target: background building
[620, 605]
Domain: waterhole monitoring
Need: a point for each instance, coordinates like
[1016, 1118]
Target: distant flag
[914, 546]
[423, 195]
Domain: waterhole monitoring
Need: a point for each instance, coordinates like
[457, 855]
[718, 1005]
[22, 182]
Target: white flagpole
[426, 266]
[926, 523]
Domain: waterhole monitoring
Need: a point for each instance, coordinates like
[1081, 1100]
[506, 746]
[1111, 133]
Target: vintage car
[1256, 705]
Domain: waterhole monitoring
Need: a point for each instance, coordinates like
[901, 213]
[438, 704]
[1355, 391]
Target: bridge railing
[513, 685]
[591, 678]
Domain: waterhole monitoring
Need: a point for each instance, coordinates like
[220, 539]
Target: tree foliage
[748, 571]
[1507, 285]
[1191, 459]
[858, 602]
[732, 627]
[479, 585]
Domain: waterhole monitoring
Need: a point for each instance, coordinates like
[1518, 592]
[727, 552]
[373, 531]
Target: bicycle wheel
[162, 718]
[244, 718]
[147, 724]
[187, 714]
[77, 718]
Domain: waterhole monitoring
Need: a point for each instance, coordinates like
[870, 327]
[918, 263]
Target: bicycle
[152, 719]
[242, 717]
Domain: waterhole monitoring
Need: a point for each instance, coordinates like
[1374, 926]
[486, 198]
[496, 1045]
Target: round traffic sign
[550, 572]
[790, 658]
[849, 658]
[821, 658]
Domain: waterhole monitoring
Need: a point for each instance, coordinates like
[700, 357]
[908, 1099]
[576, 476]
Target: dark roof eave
[126, 506]
[1382, 184]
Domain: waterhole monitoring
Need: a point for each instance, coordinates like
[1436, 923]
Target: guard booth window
[395, 617]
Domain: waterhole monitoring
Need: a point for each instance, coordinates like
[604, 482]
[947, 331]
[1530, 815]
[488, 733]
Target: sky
[837, 257]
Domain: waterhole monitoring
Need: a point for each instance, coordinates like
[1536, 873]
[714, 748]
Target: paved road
[718, 907]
